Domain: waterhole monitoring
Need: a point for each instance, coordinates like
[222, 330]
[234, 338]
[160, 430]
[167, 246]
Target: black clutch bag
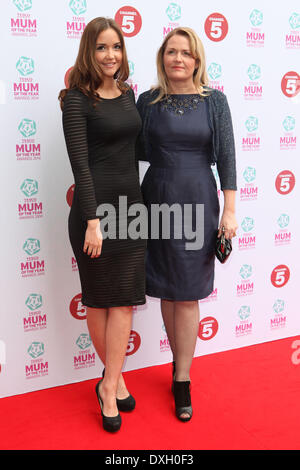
[223, 247]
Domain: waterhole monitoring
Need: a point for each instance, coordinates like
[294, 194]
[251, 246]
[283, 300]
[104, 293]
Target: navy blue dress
[180, 173]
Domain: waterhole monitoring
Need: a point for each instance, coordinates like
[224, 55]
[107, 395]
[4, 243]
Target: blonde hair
[200, 78]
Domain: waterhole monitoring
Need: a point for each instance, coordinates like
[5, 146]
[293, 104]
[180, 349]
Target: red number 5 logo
[208, 328]
[134, 343]
[216, 27]
[280, 275]
[290, 84]
[285, 182]
[77, 310]
[129, 20]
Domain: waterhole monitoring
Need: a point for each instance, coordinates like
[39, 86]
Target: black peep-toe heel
[183, 404]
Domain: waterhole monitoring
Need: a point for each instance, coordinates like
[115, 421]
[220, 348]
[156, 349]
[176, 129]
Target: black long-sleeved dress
[101, 146]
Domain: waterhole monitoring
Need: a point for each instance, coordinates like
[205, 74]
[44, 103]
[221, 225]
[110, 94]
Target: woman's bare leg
[109, 330]
[96, 322]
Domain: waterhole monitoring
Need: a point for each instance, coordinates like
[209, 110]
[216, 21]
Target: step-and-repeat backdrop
[252, 51]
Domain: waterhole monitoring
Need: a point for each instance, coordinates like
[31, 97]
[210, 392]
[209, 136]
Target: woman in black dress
[101, 124]
[186, 128]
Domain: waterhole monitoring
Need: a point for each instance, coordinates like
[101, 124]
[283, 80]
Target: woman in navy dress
[186, 128]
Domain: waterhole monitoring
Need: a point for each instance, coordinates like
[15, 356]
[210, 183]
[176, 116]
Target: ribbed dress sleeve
[75, 131]
[226, 162]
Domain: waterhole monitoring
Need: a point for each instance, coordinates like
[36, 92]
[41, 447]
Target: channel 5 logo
[285, 182]
[77, 309]
[129, 20]
[216, 27]
[208, 328]
[134, 343]
[280, 275]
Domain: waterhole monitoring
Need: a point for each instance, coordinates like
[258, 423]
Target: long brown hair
[86, 74]
[200, 78]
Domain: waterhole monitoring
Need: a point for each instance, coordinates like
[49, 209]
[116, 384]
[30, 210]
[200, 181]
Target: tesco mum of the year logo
[245, 285]
[255, 37]
[75, 25]
[251, 141]
[28, 148]
[253, 90]
[173, 12]
[283, 236]
[34, 319]
[244, 326]
[26, 88]
[292, 38]
[214, 71]
[23, 25]
[247, 241]
[33, 265]
[278, 319]
[249, 191]
[30, 207]
[84, 357]
[37, 367]
[288, 140]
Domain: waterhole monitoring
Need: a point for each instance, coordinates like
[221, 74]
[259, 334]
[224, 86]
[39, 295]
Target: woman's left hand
[229, 222]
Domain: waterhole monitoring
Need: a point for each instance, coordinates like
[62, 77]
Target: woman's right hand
[93, 239]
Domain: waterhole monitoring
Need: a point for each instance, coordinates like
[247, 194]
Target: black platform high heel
[110, 424]
[125, 404]
[183, 404]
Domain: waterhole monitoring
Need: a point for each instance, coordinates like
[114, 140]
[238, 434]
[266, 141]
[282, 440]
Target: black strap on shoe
[182, 394]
